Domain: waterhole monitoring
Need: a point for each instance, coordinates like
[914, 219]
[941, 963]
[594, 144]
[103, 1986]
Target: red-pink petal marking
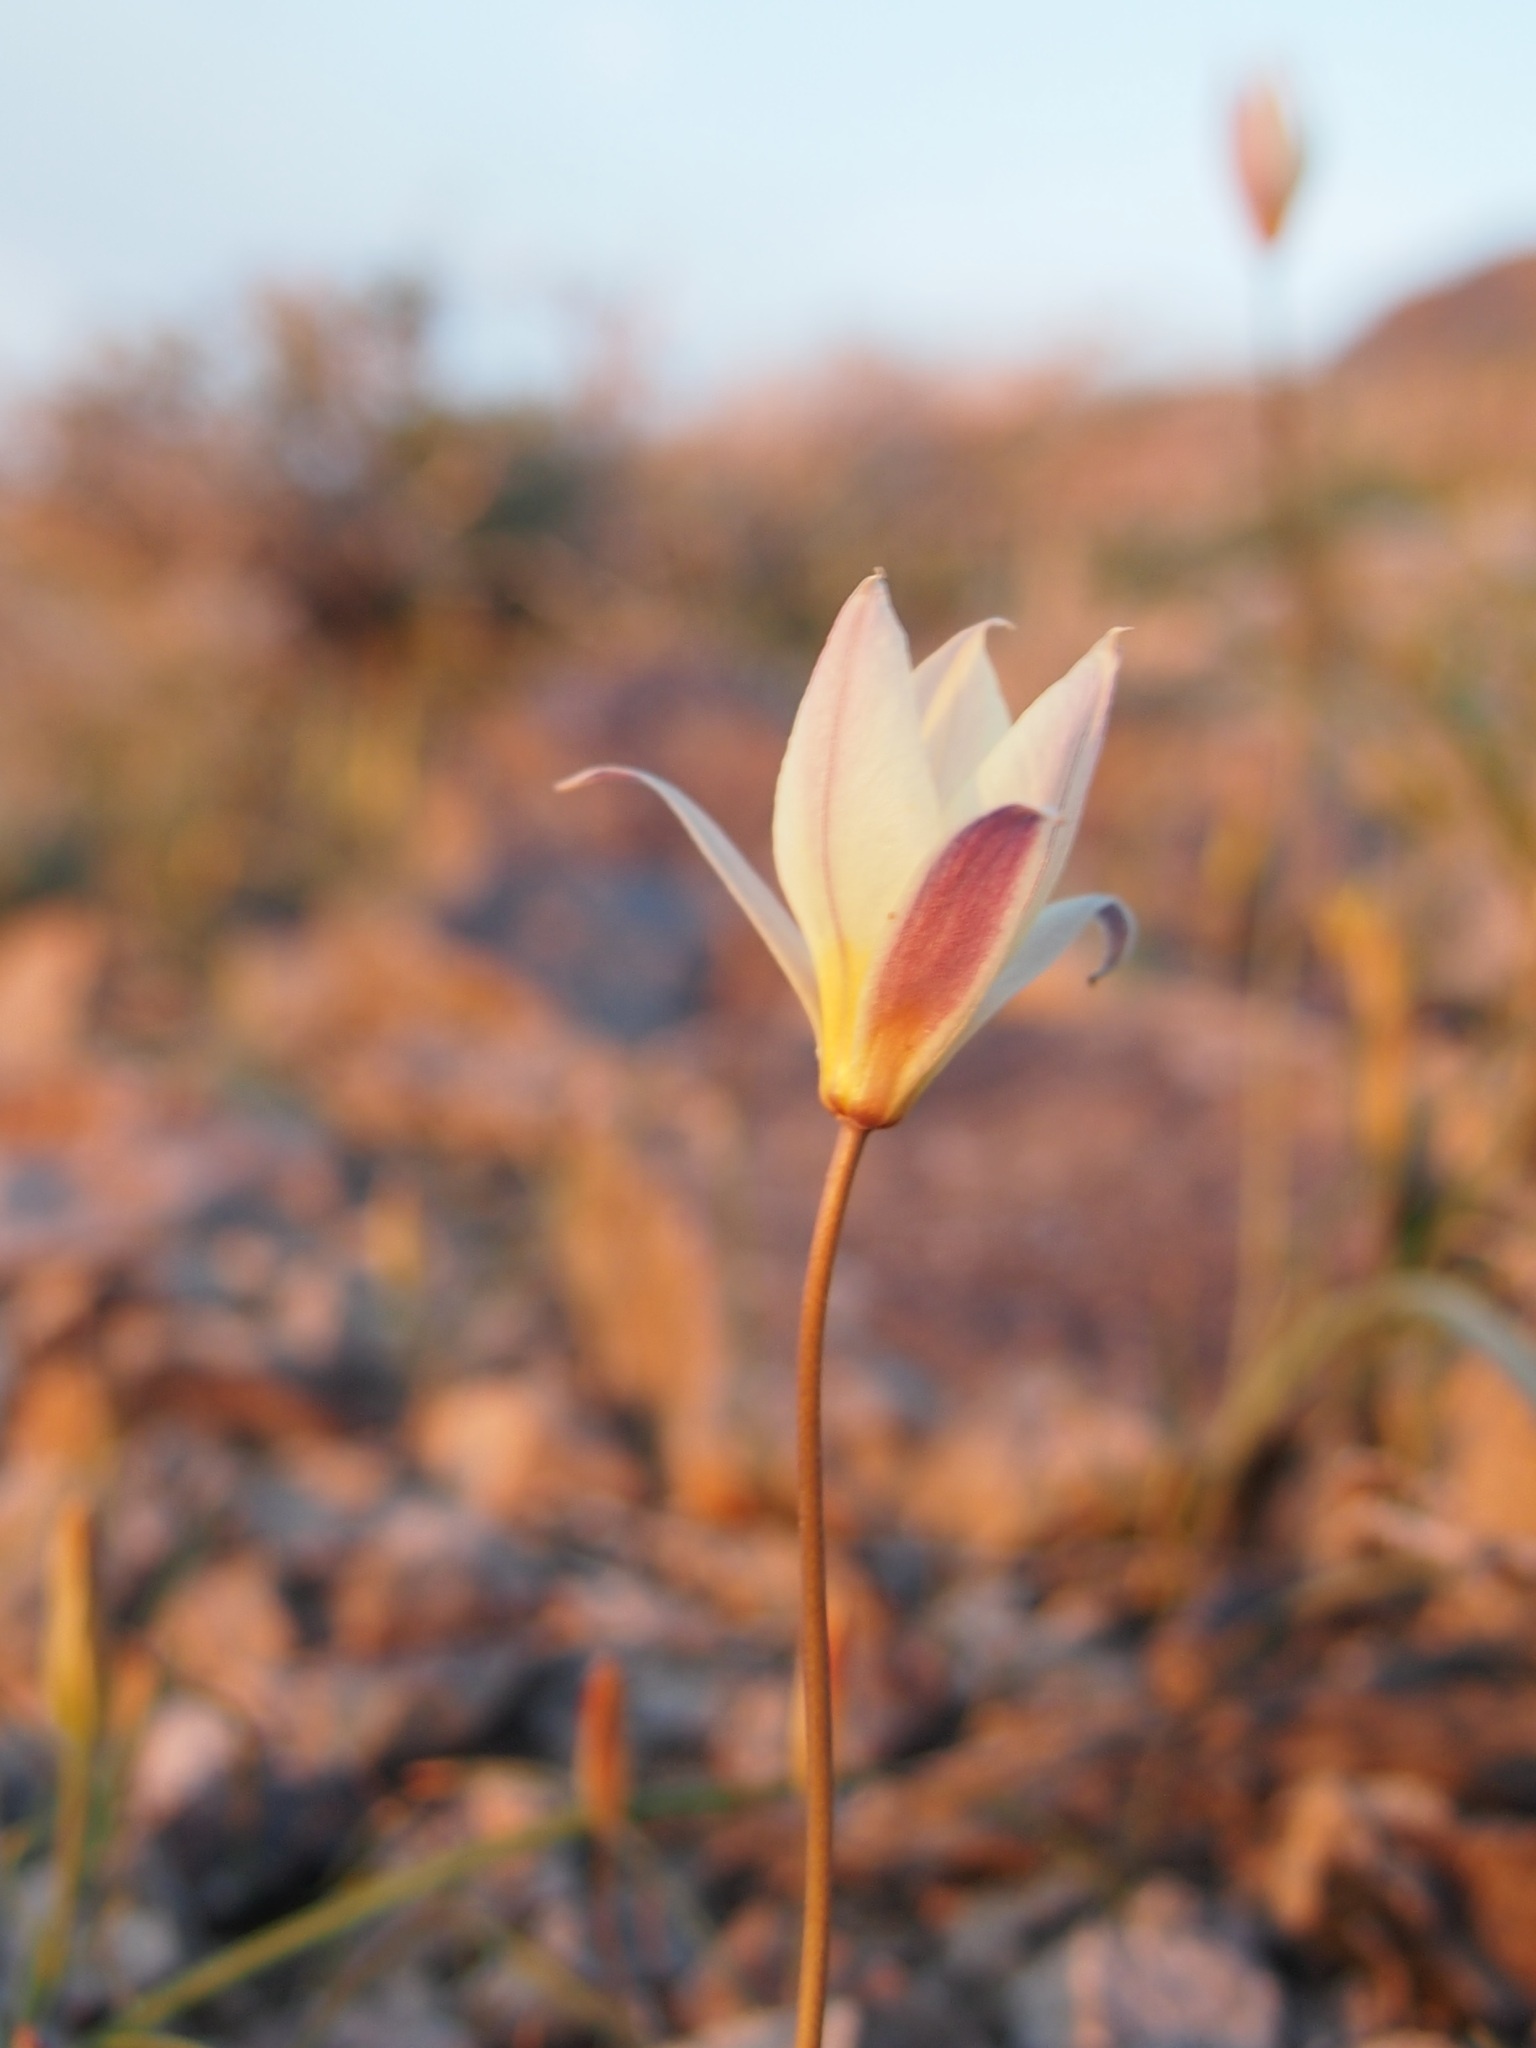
[953, 937]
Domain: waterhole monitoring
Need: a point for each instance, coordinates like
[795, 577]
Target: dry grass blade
[1272, 1384]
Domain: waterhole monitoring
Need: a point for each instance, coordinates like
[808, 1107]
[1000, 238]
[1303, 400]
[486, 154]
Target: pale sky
[969, 181]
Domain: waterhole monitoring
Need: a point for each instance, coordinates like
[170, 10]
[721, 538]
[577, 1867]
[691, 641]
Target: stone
[349, 1478]
[513, 1450]
[749, 1737]
[141, 1944]
[1160, 1976]
[427, 1574]
[505, 1798]
[923, 2011]
[255, 1843]
[1487, 1480]
[997, 1643]
[402, 2012]
[51, 961]
[187, 1746]
[344, 1717]
[228, 1629]
[994, 1931]
[843, 2028]
[1034, 1457]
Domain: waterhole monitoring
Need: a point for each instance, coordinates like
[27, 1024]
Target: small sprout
[71, 1687]
[602, 1764]
[71, 1672]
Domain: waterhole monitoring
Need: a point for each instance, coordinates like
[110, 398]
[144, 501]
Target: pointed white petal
[1048, 936]
[856, 814]
[1048, 757]
[962, 708]
[776, 928]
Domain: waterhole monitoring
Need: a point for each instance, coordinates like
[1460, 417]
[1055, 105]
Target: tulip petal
[962, 708]
[1048, 756]
[1048, 936]
[775, 927]
[940, 960]
[856, 814]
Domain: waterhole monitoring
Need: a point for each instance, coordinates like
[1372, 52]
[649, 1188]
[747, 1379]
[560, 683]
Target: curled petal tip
[1119, 929]
[581, 778]
[997, 622]
[1046, 937]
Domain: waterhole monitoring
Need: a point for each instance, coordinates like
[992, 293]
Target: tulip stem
[815, 1647]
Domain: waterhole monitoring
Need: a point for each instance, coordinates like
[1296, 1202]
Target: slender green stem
[815, 1648]
[70, 1835]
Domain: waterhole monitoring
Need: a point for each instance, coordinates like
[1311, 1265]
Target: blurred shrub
[242, 592]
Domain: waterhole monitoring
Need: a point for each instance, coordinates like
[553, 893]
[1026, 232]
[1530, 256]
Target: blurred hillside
[405, 1172]
[263, 625]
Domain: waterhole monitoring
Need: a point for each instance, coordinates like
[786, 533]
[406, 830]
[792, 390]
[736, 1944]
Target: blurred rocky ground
[405, 1175]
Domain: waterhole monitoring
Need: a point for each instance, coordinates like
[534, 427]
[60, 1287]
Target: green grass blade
[334, 1915]
[137, 2037]
[369, 1898]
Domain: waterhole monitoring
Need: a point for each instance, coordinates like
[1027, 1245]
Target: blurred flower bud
[1266, 148]
[71, 1672]
[601, 1764]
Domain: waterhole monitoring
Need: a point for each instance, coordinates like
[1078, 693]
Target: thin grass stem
[371, 1898]
[331, 1917]
[71, 1831]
